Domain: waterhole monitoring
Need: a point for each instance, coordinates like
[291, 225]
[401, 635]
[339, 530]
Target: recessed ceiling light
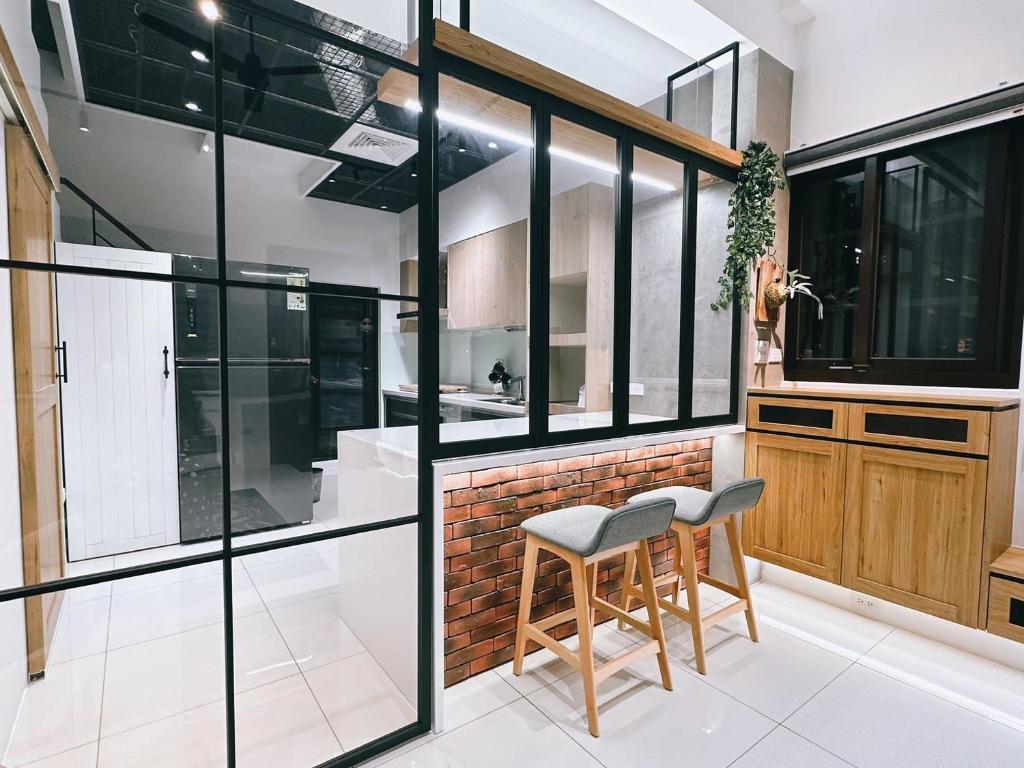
[209, 9]
[206, 147]
[198, 55]
[492, 144]
[330, 181]
[191, 106]
[83, 120]
[383, 207]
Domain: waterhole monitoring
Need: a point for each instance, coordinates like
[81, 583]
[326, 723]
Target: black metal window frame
[1001, 295]
[431, 63]
[544, 107]
[733, 51]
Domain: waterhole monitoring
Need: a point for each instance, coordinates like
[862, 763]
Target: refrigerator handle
[167, 371]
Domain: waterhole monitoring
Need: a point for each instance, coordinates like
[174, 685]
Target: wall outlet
[635, 388]
[864, 605]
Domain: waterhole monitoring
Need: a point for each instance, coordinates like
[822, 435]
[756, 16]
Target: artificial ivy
[751, 221]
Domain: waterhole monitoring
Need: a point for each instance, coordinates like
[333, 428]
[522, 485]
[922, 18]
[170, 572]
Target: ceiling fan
[249, 70]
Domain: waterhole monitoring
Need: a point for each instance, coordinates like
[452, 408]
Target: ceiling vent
[374, 144]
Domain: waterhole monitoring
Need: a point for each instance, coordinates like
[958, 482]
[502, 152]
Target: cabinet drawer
[822, 418]
[1006, 608]
[949, 429]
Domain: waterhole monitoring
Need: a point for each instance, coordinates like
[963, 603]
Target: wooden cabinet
[913, 529]
[487, 279]
[798, 523]
[907, 498]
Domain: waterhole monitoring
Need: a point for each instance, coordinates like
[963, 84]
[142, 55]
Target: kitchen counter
[378, 480]
[475, 400]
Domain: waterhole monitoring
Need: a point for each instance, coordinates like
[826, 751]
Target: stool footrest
[624, 659]
[555, 619]
[570, 658]
[613, 610]
[718, 584]
[723, 613]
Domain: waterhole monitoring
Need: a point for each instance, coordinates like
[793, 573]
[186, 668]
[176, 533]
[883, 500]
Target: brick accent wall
[483, 549]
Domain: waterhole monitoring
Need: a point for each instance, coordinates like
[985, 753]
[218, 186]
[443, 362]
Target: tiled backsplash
[483, 555]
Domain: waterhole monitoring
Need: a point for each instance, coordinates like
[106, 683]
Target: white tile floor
[137, 680]
[824, 688]
[136, 677]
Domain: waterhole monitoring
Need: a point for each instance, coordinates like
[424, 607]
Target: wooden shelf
[1010, 563]
[568, 340]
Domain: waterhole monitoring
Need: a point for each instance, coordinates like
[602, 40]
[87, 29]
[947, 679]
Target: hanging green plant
[751, 222]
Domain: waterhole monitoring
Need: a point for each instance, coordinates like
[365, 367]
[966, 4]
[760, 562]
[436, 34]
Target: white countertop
[474, 399]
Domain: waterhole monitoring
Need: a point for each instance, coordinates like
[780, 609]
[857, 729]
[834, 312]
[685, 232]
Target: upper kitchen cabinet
[487, 279]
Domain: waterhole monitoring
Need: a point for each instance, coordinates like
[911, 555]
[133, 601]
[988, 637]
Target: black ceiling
[133, 65]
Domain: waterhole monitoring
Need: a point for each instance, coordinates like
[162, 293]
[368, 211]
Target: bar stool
[696, 510]
[583, 536]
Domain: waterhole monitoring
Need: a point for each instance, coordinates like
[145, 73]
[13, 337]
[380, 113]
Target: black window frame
[1001, 292]
[544, 107]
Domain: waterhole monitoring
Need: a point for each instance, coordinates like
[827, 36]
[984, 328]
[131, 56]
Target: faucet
[499, 375]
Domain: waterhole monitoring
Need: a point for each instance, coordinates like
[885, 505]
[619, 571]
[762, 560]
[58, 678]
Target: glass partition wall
[255, 367]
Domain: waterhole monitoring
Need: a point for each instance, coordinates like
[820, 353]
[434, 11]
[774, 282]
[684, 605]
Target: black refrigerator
[269, 400]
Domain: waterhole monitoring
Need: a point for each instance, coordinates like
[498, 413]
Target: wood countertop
[990, 402]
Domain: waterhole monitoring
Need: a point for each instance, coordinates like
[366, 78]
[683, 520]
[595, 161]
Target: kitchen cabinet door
[487, 285]
[798, 523]
[913, 529]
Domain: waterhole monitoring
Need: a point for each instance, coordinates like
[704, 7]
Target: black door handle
[62, 361]
[167, 371]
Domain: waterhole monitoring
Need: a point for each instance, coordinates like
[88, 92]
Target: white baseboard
[974, 641]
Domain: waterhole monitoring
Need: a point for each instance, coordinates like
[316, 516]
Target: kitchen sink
[503, 400]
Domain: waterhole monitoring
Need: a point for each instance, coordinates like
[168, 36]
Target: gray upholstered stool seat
[697, 508]
[589, 529]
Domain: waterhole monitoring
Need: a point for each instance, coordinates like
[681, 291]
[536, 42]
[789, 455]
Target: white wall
[16, 22]
[865, 63]
[13, 660]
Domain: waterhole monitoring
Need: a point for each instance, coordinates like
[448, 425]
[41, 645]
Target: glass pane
[830, 248]
[930, 250]
[134, 673]
[712, 331]
[345, 670]
[485, 153]
[658, 201]
[128, 436]
[584, 174]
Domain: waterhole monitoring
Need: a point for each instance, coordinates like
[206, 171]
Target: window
[913, 254]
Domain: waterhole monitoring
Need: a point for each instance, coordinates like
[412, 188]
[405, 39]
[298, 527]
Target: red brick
[535, 499]
[630, 468]
[494, 539]
[644, 452]
[468, 653]
[456, 675]
[493, 476]
[667, 449]
[494, 568]
[492, 599]
[456, 514]
[574, 463]
[456, 580]
[462, 562]
[598, 473]
[609, 457]
[456, 481]
[475, 495]
[457, 547]
[611, 484]
[639, 479]
[487, 508]
[457, 611]
[475, 527]
[599, 499]
[512, 549]
[491, 660]
[513, 519]
[574, 491]
[520, 487]
[456, 643]
[470, 591]
[658, 462]
[472, 621]
[562, 479]
[537, 469]
[499, 627]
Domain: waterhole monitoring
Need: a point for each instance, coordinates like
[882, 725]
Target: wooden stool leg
[653, 612]
[684, 536]
[592, 591]
[732, 529]
[584, 629]
[627, 581]
[525, 600]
